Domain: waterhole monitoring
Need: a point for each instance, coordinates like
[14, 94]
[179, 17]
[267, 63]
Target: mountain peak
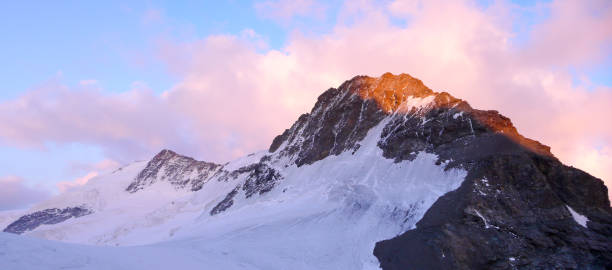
[418, 119]
[427, 180]
[180, 171]
[389, 91]
[165, 154]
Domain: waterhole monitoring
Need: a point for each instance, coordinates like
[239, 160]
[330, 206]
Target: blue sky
[112, 42]
[116, 44]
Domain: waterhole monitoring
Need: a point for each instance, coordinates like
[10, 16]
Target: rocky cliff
[421, 176]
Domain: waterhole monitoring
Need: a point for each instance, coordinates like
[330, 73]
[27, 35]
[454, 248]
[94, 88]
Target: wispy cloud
[16, 194]
[470, 53]
[283, 11]
[126, 125]
[88, 82]
[87, 172]
[153, 16]
[66, 185]
[232, 97]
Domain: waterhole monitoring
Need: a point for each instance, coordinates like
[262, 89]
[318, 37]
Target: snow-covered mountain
[383, 172]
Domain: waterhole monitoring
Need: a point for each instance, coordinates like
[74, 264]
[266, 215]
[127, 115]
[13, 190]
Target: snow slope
[24, 252]
[363, 166]
[327, 215]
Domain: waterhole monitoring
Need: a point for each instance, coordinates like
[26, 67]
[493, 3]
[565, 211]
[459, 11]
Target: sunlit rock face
[511, 210]
[381, 172]
[421, 119]
[342, 117]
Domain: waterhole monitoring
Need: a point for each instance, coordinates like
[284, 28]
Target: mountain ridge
[420, 177]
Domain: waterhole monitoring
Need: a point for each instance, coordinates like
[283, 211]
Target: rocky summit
[180, 171]
[512, 211]
[382, 172]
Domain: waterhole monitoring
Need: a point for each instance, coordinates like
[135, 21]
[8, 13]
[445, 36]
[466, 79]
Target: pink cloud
[102, 166]
[16, 194]
[233, 98]
[128, 125]
[93, 170]
[66, 185]
[577, 33]
[470, 53]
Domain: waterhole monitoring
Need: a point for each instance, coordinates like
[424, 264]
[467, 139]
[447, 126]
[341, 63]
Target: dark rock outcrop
[180, 171]
[261, 179]
[342, 117]
[226, 203]
[45, 217]
[512, 210]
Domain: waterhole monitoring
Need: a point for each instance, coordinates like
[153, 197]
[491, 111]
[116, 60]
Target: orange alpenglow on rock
[396, 94]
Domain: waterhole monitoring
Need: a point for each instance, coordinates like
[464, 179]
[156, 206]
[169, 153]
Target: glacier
[325, 215]
[383, 172]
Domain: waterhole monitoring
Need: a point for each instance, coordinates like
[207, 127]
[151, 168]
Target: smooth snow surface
[580, 219]
[26, 253]
[327, 215]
